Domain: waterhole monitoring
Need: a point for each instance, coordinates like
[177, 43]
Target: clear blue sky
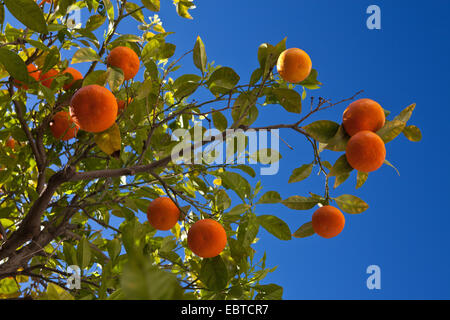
[405, 230]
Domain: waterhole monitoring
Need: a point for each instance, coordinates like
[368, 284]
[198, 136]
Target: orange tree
[84, 155]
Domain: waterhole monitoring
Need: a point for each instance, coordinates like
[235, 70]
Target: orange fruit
[328, 222]
[163, 214]
[121, 104]
[363, 114]
[294, 65]
[48, 77]
[365, 151]
[207, 238]
[32, 72]
[11, 142]
[125, 59]
[63, 126]
[76, 75]
[94, 108]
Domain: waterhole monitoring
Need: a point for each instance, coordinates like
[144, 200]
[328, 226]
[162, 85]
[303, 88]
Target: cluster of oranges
[206, 238]
[93, 108]
[365, 150]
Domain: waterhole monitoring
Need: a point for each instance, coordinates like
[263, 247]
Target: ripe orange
[48, 77]
[121, 104]
[294, 65]
[363, 114]
[63, 126]
[11, 142]
[163, 214]
[94, 108]
[365, 151]
[32, 72]
[125, 59]
[76, 75]
[328, 222]
[207, 238]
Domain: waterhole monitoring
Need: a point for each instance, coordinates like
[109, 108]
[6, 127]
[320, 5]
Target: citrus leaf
[29, 13]
[214, 273]
[223, 80]
[84, 253]
[351, 204]
[391, 165]
[340, 179]
[338, 142]
[268, 292]
[275, 226]
[406, 114]
[109, 141]
[114, 77]
[219, 120]
[301, 173]
[311, 82]
[304, 231]
[270, 197]
[391, 130]
[322, 130]
[340, 167]
[85, 55]
[199, 55]
[289, 99]
[13, 64]
[238, 210]
[153, 5]
[300, 203]
[361, 179]
[55, 292]
[412, 133]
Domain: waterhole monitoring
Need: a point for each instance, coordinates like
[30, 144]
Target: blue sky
[405, 230]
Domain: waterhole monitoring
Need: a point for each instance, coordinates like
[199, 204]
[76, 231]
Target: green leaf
[238, 210]
[289, 99]
[247, 169]
[256, 75]
[183, 7]
[223, 80]
[85, 55]
[219, 120]
[84, 253]
[275, 226]
[109, 141]
[391, 165]
[114, 248]
[114, 78]
[361, 179]
[55, 292]
[248, 230]
[136, 14]
[94, 22]
[214, 273]
[235, 182]
[301, 173]
[109, 10]
[412, 133]
[391, 130]
[199, 55]
[338, 142]
[223, 201]
[51, 59]
[322, 130]
[340, 167]
[270, 197]
[96, 77]
[29, 13]
[351, 204]
[153, 5]
[340, 179]
[268, 292]
[300, 203]
[13, 64]
[304, 231]
[406, 114]
[311, 82]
